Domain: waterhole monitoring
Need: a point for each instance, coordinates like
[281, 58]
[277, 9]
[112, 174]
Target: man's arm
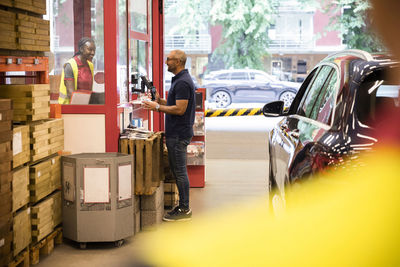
[178, 109]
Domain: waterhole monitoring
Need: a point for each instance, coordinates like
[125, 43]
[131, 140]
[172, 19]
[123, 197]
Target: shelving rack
[36, 68]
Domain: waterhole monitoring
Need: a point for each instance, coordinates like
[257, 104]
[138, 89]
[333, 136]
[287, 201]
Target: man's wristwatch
[157, 106]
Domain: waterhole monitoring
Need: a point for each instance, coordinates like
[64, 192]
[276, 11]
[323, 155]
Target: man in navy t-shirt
[180, 112]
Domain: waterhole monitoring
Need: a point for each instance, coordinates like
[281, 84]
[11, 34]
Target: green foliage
[354, 24]
[244, 22]
[193, 15]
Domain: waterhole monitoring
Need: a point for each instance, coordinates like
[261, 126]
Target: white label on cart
[17, 143]
[1, 242]
[39, 173]
[124, 182]
[53, 161]
[96, 184]
[29, 211]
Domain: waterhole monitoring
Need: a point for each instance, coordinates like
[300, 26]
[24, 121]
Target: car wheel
[222, 99]
[287, 97]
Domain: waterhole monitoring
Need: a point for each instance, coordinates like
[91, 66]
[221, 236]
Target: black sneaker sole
[176, 220]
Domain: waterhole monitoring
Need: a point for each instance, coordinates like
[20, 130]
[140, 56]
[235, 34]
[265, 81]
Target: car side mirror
[273, 109]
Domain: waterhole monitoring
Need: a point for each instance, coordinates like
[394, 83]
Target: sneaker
[178, 214]
[174, 210]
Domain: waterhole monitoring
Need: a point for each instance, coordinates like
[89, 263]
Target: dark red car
[331, 119]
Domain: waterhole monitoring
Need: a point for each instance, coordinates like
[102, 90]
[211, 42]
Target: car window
[313, 91]
[377, 92]
[259, 77]
[239, 76]
[323, 107]
[223, 76]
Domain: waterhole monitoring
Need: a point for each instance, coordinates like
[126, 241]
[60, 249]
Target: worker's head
[176, 61]
[86, 48]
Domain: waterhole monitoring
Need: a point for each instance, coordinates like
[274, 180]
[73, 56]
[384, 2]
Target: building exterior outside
[197, 46]
[299, 41]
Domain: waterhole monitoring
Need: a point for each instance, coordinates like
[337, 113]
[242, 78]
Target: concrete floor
[236, 170]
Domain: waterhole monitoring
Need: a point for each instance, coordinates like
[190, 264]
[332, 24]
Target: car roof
[218, 72]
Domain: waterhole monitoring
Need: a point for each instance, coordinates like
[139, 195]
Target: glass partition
[70, 21]
[138, 9]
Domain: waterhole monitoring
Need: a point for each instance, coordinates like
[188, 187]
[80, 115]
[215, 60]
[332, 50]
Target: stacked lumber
[6, 237]
[31, 101]
[21, 145]
[42, 219]
[5, 181]
[33, 33]
[34, 6]
[24, 32]
[55, 173]
[148, 156]
[45, 216]
[57, 208]
[20, 188]
[47, 138]
[42, 182]
[21, 230]
[7, 28]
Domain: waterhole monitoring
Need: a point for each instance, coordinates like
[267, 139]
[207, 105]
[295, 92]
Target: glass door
[135, 59]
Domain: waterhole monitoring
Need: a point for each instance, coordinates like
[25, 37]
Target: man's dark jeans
[177, 148]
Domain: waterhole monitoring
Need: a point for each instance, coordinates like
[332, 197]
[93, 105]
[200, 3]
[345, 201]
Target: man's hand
[149, 105]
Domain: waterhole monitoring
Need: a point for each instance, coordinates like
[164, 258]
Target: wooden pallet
[22, 259]
[45, 246]
[148, 162]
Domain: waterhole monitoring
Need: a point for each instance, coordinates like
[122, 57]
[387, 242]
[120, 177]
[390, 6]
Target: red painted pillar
[110, 71]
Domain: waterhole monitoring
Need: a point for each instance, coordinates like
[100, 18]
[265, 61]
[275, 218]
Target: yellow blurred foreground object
[346, 218]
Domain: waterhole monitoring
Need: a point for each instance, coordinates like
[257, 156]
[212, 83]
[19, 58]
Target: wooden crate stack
[31, 101]
[47, 138]
[21, 31]
[33, 33]
[44, 178]
[21, 145]
[21, 230]
[46, 215]
[42, 219]
[7, 28]
[148, 157]
[20, 187]
[6, 233]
